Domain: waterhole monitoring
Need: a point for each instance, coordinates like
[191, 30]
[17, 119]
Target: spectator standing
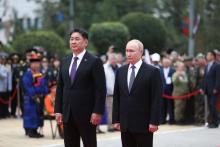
[110, 70]
[167, 105]
[5, 87]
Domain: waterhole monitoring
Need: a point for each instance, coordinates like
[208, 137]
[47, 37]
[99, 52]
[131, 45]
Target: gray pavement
[12, 135]
[193, 137]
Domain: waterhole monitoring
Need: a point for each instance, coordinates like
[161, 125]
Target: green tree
[208, 37]
[148, 29]
[87, 12]
[109, 33]
[50, 41]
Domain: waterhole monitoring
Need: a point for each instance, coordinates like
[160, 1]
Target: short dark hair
[80, 31]
[213, 53]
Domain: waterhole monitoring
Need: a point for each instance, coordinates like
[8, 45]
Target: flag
[185, 26]
[196, 26]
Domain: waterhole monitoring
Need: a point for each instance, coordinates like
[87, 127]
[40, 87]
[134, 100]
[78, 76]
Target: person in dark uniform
[15, 79]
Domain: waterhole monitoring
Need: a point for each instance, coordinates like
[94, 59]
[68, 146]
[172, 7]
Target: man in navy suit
[212, 87]
[137, 92]
[81, 92]
[167, 105]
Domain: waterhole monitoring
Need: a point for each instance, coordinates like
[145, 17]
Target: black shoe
[172, 122]
[111, 130]
[98, 131]
[181, 122]
[212, 126]
[34, 134]
[26, 132]
[162, 122]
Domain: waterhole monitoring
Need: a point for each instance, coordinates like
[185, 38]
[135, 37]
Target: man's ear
[87, 42]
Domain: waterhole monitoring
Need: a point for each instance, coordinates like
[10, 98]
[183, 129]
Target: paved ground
[12, 135]
[190, 137]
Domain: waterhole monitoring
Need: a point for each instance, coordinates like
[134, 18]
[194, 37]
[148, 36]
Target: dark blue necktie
[73, 69]
[132, 77]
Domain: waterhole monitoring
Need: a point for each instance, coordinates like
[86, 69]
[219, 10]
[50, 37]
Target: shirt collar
[166, 68]
[80, 55]
[137, 65]
[210, 63]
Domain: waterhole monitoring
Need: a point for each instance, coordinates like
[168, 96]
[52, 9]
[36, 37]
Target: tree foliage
[146, 28]
[109, 33]
[50, 41]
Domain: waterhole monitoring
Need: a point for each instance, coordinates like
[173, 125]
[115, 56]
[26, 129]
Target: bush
[50, 41]
[147, 29]
[105, 34]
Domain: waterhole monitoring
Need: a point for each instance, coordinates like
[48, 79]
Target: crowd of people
[186, 81]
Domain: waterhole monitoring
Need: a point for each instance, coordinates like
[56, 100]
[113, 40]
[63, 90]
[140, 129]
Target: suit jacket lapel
[162, 74]
[212, 66]
[81, 67]
[124, 78]
[67, 69]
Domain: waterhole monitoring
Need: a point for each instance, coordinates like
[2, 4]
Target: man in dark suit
[81, 92]
[212, 87]
[137, 92]
[167, 105]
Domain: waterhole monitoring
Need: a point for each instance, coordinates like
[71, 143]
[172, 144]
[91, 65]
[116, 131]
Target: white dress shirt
[110, 78]
[80, 57]
[209, 65]
[166, 72]
[137, 67]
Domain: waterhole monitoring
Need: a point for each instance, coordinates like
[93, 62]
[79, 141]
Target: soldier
[180, 87]
[35, 88]
[15, 79]
[47, 70]
[199, 99]
[191, 74]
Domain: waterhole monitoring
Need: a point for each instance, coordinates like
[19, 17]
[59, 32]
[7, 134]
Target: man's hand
[202, 92]
[215, 91]
[152, 128]
[117, 126]
[95, 118]
[59, 118]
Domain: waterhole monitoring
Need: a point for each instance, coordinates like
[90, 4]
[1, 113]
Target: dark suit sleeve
[217, 77]
[59, 92]
[116, 102]
[156, 94]
[99, 87]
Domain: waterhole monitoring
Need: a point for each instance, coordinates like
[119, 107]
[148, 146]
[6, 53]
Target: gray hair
[139, 43]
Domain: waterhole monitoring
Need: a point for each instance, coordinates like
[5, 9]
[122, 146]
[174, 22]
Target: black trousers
[74, 130]
[4, 96]
[14, 103]
[167, 107]
[212, 102]
[130, 139]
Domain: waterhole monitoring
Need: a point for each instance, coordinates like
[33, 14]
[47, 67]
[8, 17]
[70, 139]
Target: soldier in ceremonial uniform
[35, 88]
